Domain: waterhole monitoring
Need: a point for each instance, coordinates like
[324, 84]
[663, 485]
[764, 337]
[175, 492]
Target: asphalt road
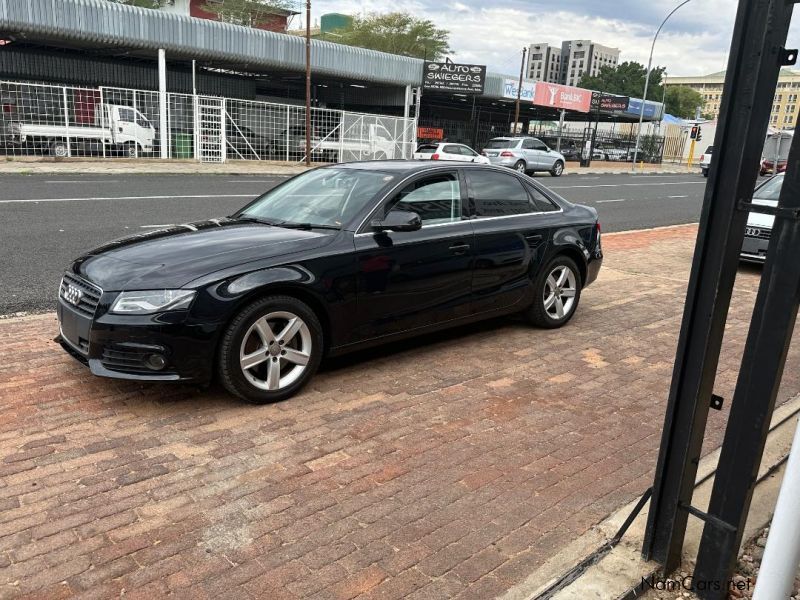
[47, 220]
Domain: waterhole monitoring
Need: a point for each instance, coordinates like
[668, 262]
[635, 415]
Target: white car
[446, 151]
[705, 160]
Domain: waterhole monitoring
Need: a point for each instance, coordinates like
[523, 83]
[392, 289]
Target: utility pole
[308, 84]
[519, 88]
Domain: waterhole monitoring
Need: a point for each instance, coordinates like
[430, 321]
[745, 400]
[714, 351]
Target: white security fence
[66, 121]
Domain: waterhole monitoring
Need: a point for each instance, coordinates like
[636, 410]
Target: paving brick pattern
[448, 467]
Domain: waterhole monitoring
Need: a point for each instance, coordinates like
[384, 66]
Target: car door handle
[459, 248]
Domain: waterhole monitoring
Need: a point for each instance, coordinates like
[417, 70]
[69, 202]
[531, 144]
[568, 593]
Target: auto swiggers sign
[453, 77]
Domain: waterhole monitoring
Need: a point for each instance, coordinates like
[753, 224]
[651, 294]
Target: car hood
[174, 256]
[755, 219]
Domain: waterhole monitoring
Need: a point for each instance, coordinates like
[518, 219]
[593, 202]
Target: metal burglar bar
[760, 375]
[755, 59]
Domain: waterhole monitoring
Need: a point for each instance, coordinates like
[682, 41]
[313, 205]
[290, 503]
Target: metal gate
[210, 128]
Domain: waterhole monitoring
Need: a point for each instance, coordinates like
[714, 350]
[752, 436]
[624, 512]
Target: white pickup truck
[121, 129]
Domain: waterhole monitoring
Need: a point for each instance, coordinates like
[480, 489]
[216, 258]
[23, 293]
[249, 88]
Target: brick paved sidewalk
[450, 467]
[251, 167]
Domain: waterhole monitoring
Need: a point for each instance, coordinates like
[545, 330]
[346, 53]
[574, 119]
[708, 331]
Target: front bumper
[754, 249]
[121, 346]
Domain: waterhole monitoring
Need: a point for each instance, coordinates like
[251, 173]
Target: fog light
[156, 362]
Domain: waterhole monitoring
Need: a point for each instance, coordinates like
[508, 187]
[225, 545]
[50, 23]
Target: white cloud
[694, 41]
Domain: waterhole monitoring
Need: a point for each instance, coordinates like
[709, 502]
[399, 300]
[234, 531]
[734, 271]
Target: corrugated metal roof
[100, 22]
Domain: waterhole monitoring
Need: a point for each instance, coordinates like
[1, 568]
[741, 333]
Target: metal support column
[760, 375]
[162, 103]
[754, 62]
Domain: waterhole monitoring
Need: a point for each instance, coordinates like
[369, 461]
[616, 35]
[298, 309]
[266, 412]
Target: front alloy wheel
[270, 350]
[557, 169]
[558, 291]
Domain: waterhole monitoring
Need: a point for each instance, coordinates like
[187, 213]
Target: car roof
[408, 166]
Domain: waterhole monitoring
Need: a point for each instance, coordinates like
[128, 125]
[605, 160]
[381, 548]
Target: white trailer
[118, 129]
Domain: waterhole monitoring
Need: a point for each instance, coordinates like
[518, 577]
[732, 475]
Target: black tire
[230, 370]
[558, 169]
[705, 172]
[538, 314]
[129, 150]
[59, 149]
[521, 167]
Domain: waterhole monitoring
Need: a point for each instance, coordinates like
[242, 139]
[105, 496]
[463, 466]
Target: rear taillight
[702, 157]
[434, 157]
[506, 153]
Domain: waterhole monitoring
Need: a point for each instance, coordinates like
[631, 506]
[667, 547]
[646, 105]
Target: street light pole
[647, 82]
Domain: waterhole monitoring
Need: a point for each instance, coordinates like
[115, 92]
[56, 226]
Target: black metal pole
[759, 33]
[308, 83]
[764, 357]
[519, 90]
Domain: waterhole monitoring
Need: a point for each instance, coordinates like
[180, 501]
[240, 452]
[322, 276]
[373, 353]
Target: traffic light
[699, 133]
[695, 132]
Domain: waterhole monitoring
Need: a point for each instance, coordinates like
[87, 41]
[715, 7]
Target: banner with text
[510, 87]
[453, 77]
[554, 95]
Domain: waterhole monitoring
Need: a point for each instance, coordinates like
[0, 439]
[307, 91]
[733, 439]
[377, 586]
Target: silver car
[524, 154]
[759, 225]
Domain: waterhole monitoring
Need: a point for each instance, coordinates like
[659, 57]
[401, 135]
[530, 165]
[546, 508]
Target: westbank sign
[562, 96]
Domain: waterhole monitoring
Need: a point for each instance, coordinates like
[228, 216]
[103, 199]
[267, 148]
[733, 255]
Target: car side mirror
[398, 220]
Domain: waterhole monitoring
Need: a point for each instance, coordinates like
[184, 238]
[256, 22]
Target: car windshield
[429, 149]
[502, 143]
[710, 150]
[328, 197]
[770, 190]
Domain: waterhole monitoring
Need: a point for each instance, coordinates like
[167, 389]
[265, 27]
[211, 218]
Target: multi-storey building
[570, 62]
[784, 107]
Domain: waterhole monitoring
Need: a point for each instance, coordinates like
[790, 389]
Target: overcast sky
[694, 41]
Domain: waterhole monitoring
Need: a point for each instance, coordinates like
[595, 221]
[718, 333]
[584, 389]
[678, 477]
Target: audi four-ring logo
[72, 295]
[752, 232]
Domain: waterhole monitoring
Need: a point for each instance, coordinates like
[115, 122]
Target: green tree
[683, 101]
[627, 79]
[397, 33]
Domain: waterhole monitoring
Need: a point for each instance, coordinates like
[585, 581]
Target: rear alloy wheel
[558, 291]
[130, 150]
[557, 169]
[59, 149]
[270, 350]
[521, 167]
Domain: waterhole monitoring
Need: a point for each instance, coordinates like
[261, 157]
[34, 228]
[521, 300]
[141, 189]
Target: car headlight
[152, 301]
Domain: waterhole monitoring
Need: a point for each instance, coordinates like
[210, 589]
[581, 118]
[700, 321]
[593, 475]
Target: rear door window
[498, 194]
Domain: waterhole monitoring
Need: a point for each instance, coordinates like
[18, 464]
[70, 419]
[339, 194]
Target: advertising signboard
[510, 89]
[555, 95]
[609, 103]
[453, 77]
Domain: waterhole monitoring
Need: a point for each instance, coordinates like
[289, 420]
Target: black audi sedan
[335, 259]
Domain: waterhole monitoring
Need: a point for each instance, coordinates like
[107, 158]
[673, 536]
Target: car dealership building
[95, 51]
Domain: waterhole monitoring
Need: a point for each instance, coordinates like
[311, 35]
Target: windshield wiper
[284, 224]
[254, 219]
[288, 225]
